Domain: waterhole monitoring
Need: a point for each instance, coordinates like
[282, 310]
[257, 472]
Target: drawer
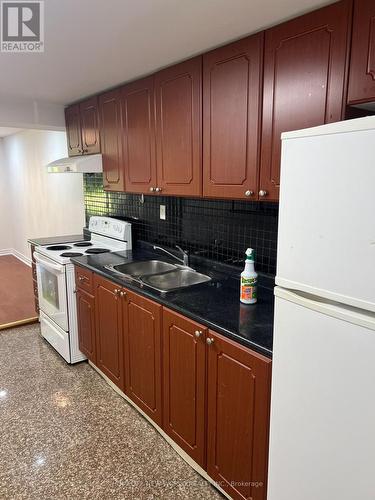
[84, 279]
[33, 270]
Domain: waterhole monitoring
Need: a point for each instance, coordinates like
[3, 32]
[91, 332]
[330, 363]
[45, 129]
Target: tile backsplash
[217, 229]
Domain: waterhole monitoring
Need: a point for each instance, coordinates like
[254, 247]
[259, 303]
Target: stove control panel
[112, 228]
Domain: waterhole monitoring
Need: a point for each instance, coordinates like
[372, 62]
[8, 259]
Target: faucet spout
[185, 257]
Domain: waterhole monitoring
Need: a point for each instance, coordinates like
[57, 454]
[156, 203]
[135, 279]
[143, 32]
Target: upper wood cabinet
[90, 126]
[109, 340]
[362, 61]
[239, 393]
[178, 92]
[304, 81]
[138, 117]
[142, 349]
[82, 127]
[73, 130]
[184, 362]
[111, 140]
[232, 78]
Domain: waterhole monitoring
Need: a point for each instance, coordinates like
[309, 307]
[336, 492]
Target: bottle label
[248, 288]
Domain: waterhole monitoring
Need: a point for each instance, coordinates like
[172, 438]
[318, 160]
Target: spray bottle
[249, 280]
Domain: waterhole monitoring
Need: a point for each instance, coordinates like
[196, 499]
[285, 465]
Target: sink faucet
[185, 255]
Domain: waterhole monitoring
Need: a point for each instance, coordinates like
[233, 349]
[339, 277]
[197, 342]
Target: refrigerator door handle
[340, 311]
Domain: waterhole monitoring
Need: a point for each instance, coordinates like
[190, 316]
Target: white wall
[41, 204]
[6, 231]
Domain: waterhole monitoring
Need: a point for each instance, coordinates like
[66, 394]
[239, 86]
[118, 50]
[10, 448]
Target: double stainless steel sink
[161, 276]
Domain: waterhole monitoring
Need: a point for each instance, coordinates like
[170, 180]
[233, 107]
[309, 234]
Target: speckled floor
[64, 433]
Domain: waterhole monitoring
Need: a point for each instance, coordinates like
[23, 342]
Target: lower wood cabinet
[86, 324]
[109, 338]
[142, 349]
[238, 404]
[184, 364]
[208, 393]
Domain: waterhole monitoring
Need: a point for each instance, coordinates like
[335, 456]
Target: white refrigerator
[322, 439]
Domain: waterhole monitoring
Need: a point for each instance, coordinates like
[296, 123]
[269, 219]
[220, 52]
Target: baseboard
[17, 254]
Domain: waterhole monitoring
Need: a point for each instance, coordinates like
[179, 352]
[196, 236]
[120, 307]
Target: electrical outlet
[163, 215]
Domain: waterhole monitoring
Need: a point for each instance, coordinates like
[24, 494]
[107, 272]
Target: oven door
[51, 279]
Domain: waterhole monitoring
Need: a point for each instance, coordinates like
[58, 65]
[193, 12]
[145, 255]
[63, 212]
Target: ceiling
[4, 131]
[91, 45]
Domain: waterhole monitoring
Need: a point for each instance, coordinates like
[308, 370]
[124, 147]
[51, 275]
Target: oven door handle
[48, 264]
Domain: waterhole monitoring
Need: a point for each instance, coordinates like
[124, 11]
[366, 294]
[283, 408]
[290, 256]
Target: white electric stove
[56, 281]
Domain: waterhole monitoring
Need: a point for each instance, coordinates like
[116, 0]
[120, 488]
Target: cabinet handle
[122, 294]
[198, 333]
[116, 291]
[85, 150]
[249, 193]
[262, 193]
[152, 189]
[210, 340]
[80, 150]
[158, 190]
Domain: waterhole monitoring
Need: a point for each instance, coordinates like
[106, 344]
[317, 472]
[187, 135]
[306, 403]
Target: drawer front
[84, 279]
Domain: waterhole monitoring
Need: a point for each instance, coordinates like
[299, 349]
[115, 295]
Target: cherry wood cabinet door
[184, 363]
[178, 92]
[109, 341]
[142, 349]
[86, 324]
[111, 140]
[73, 130]
[238, 389]
[232, 79]
[362, 59]
[304, 81]
[138, 117]
[90, 126]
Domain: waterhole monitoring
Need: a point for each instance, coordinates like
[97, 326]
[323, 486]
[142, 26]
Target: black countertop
[56, 240]
[215, 304]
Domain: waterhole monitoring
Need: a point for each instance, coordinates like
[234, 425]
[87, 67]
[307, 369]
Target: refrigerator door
[326, 242]
[322, 441]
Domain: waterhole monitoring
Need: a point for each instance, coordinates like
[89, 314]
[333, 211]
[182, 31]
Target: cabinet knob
[198, 333]
[210, 340]
[81, 278]
[85, 150]
[116, 291]
[122, 294]
[152, 189]
[158, 190]
[262, 193]
[249, 193]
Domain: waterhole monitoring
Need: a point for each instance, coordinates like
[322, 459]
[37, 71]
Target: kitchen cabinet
[232, 79]
[82, 127]
[362, 59]
[86, 324]
[73, 130]
[304, 81]
[139, 147]
[209, 394]
[238, 405]
[111, 140]
[178, 92]
[142, 349]
[184, 365]
[108, 329]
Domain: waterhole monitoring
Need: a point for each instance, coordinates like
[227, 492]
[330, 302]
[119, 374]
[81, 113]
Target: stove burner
[97, 250]
[59, 248]
[83, 244]
[71, 254]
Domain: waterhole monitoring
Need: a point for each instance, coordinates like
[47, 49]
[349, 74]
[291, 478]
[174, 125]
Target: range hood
[77, 165]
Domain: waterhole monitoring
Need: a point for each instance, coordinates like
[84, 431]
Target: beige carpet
[16, 293]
